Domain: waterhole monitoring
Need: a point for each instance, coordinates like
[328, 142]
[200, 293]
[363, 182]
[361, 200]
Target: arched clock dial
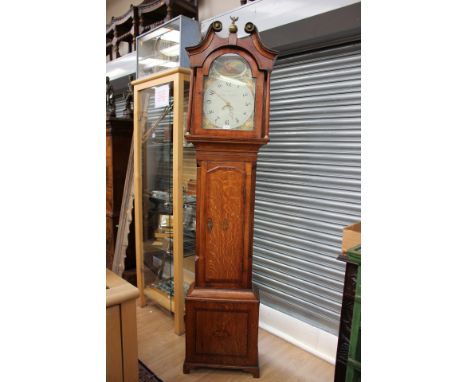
[228, 104]
[229, 100]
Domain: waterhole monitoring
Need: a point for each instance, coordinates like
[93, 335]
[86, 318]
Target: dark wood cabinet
[228, 123]
[118, 141]
[348, 353]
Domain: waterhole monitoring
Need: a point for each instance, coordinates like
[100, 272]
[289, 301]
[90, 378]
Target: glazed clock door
[224, 217]
[229, 95]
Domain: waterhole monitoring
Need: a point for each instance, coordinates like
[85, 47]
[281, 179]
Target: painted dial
[228, 103]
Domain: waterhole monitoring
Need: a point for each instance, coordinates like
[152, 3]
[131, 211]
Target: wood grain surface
[224, 200]
[113, 345]
[222, 329]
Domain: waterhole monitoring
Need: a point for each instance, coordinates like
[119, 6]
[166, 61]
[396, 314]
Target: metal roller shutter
[308, 183]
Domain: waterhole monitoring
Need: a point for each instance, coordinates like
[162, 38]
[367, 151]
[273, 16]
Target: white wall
[313, 340]
[206, 8]
[118, 8]
[211, 8]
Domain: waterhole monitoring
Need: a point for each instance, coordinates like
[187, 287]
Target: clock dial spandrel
[229, 95]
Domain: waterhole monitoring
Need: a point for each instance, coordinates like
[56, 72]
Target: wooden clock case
[222, 309]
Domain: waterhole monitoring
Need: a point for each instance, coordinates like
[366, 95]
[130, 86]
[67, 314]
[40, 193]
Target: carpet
[145, 374]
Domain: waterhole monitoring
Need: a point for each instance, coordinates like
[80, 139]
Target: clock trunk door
[225, 214]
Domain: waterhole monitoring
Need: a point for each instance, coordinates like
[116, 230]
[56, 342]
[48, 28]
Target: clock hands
[227, 103]
[232, 105]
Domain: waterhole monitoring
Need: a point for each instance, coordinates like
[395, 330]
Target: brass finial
[249, 27]
[217, 26]
[233, 26]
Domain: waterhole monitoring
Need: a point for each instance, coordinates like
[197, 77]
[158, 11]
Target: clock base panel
[222, 330]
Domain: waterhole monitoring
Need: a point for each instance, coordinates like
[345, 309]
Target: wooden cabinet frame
[177, 76]
[121, 330]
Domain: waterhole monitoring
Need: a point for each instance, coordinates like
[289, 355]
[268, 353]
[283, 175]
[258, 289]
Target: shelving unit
[165, 201]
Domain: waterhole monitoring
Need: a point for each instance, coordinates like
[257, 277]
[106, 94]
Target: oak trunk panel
[225, 198]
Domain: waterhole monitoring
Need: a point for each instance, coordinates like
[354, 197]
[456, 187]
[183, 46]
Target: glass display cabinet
[165, 191]
[164, 47]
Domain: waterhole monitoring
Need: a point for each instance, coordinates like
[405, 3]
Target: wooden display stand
[222, 310]
[121, 330]
[178, 79]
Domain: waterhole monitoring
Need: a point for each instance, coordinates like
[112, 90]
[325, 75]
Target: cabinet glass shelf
[164, 46]
[165, 191]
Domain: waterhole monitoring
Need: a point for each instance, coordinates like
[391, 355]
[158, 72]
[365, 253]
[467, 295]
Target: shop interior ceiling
[295, 25]
[307, 23]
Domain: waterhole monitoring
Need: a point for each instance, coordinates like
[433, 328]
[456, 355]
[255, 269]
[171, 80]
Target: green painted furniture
[348, 355]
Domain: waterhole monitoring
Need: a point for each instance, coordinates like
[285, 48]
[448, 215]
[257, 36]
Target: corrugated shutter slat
[308, 183]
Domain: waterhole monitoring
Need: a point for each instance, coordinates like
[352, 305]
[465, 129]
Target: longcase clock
[228, 122]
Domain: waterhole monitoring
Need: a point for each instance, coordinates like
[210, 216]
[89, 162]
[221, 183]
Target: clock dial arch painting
[229, 94]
